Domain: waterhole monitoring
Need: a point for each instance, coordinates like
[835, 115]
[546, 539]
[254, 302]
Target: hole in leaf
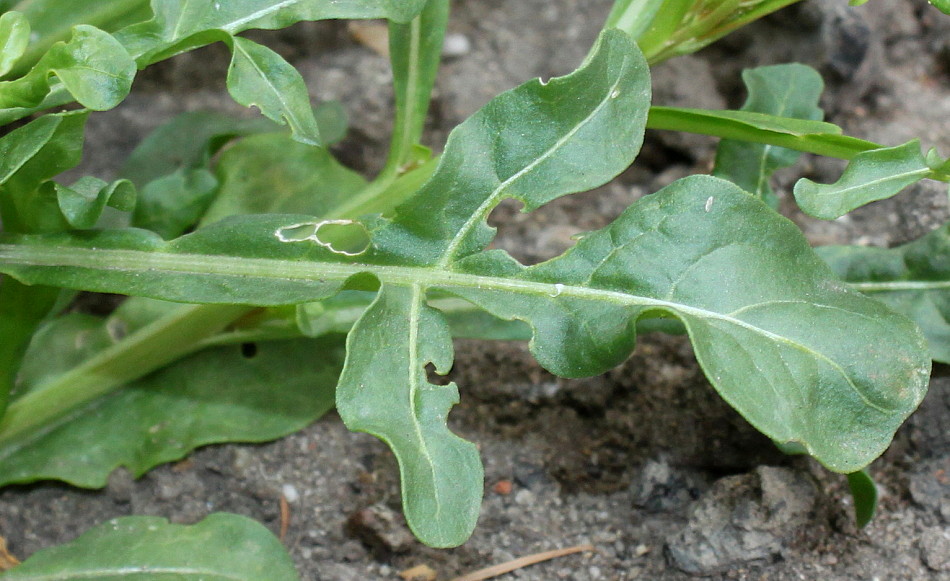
[249, 350]
[346, 237]
[434, 377]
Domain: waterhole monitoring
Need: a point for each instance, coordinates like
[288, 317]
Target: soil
[645, 463]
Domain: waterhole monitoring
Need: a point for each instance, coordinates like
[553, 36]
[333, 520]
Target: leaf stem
[142, 352]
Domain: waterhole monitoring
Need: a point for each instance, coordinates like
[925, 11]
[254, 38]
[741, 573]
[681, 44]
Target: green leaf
[633, 16]
[804, 358]
[272, 174]
[790, 91]
[259, 77]
[14, 38]
[51, 21]
[92, 66]
[83, 202]
[941, 5]
[218, 395]
[188, 141]
[170, 205]
[913, 279]
[222, 547]
[180, 25]
[415, 51]
[870, 176]
[864, 494]
[22, 309]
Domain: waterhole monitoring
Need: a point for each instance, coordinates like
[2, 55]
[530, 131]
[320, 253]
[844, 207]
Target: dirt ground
[645, 463]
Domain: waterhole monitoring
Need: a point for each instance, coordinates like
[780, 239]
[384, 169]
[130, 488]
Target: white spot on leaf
[709, 203]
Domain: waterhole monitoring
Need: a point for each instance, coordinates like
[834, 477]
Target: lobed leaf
[913, 279]
[222, 547]
[870, 176]
[92, 66]
[791, 91]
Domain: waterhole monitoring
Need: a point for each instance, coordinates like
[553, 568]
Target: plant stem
[142, 352]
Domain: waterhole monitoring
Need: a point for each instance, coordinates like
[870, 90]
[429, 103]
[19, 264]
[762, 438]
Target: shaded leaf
[14, 38]
[272, 174]
[92, 66]
[219, 395]
[259, 77]
[186, 142]
[83, 202]
[864, 494]
[170, 205]
[913, 279]
[222, 547]
[790, 90]
[870, 176]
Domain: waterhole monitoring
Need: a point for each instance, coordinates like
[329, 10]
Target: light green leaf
[14, 38]
[83, 202]
[913, 279]
[222, 547]
[51, 21]
[941, 5]
[272, 174]
[633, 16]
[218, 395]
[870, 176]
[791, 91]
[180, 25]
[259, 77]
[415, 51]
[92, 66]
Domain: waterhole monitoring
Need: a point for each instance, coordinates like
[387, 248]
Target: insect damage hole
[346, 237]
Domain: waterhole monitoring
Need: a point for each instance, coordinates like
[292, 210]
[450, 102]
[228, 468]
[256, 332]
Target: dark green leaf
[83, 202]
[222, 547]
[14, 37]
[170, 205]
[219, 395]
[913, 279]
[259, 77]
[22, 309]
[187, 142]
[92, 66]
[790, 91]
[870, 176]
[864, 494]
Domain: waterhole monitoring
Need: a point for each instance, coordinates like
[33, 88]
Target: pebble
[456, 45]
[381, 528]
[742, 520]
[290, 493]
[935, 548]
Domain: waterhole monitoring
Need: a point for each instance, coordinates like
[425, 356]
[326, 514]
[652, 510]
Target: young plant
[402, 264]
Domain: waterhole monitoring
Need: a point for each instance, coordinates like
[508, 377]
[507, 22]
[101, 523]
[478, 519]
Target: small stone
[930, 484]
[524, 497]
[743, 519]
[935, 548]
[120, 486]
[290, 493]
[503, 487]
[659, 486]
[380, 528]
[456, 45]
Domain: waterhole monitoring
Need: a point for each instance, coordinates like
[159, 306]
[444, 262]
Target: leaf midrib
[156, 263]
